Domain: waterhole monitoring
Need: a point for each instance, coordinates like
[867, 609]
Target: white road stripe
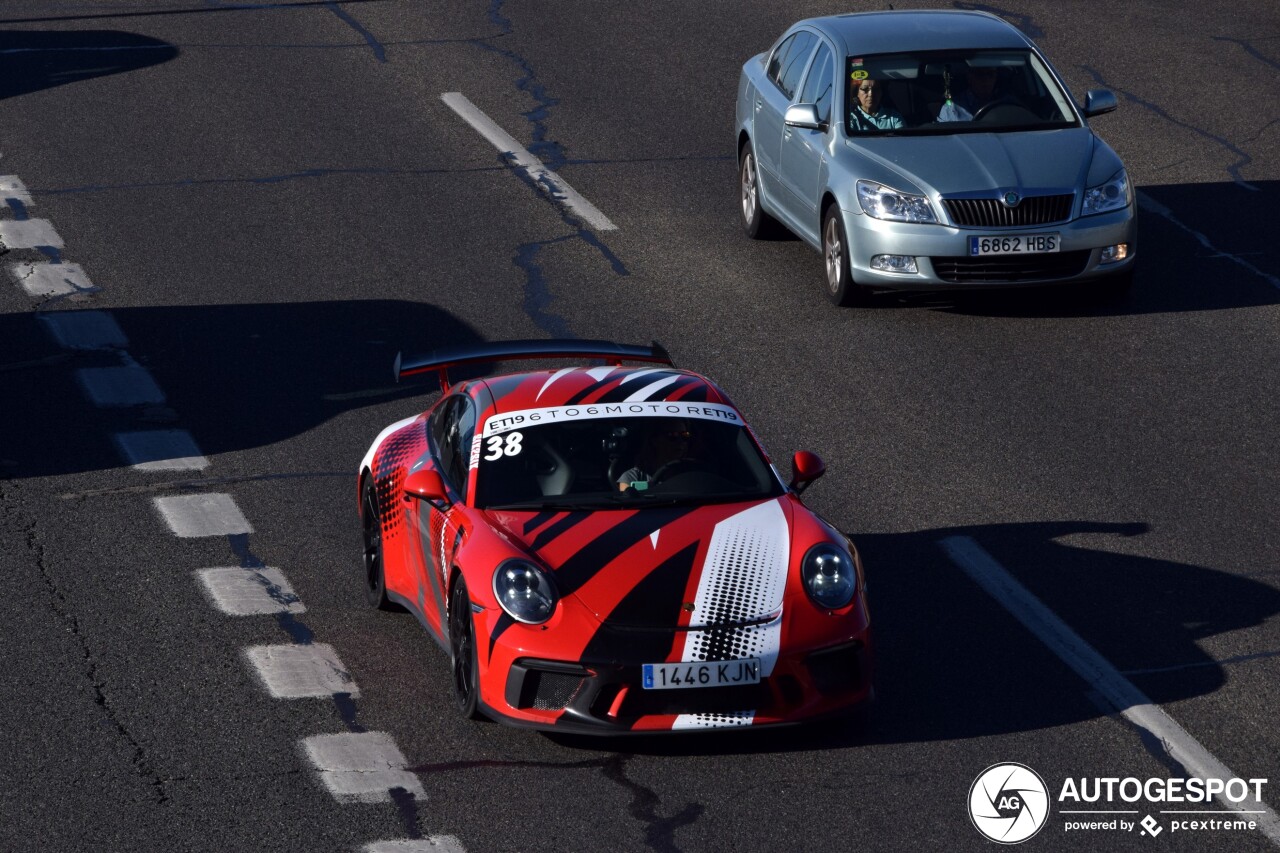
[1098, 672]
[361, 767]
[300, 672]
[250, 592]
[45, 279]
[28, 233]
[12, 187]
[551, 183]
[161, 450]
[190, 516]
[434, 844]
[84, 330]
[113, 387]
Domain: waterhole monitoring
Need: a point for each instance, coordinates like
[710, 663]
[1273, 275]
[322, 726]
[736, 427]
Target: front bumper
[943, 261]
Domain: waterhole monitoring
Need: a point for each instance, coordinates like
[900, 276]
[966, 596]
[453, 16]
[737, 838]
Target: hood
[959, 163]
[666, 567]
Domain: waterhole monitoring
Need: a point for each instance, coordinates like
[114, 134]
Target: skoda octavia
[607, 549]
[927, 150]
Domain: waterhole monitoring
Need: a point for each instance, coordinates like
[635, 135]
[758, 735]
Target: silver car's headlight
[1112, 195]
[887, 203]
[524, 591]
[830, 576]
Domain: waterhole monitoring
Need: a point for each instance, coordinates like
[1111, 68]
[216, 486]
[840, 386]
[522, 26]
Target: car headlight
[886, 203]
[1112, 195]
[524, 591]
[830, 576]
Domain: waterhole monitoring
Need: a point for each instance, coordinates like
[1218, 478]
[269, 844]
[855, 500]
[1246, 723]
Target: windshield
[600, 462]
[935, 92]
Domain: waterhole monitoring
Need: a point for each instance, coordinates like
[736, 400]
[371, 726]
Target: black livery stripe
[606, 547]
[670, 392]
[504, 622]
[591, 389]
[656, 599]
[547, 536]
[539, 520]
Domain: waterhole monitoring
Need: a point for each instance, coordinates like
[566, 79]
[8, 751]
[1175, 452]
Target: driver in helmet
[667, 442]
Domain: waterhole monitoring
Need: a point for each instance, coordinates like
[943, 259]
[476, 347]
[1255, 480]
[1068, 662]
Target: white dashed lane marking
[1131, 702]
[161, 450]
[434, 844]
[28, 234]
[190, 516]
[299, 672]
[45, 279]
[361, 767]
[548, 181]
[116, 387]
[250, 592]
[85, 330]
[12, 187]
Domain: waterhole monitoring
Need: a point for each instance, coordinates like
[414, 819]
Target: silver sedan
[930, 150]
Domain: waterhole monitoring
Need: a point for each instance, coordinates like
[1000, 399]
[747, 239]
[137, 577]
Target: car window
[452, 428]
[817, 86]
[794, 63]
[779, 57]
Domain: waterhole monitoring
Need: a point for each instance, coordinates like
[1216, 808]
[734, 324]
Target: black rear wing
[442, 359]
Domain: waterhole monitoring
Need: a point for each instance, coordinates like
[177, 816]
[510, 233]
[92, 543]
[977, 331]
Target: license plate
[672, 676]
[1018, 244]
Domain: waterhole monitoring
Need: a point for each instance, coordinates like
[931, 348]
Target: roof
[902, 30]
[586, 386]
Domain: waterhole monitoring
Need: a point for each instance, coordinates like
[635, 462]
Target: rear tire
[463, 660]
[755, 221]
[841, 288]
[375, 579]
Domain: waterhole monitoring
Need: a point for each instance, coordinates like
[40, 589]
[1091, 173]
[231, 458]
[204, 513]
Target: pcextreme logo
[1008, 803]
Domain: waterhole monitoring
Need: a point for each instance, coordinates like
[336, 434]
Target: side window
[451, 429]
[794, 64]
[779, 59]
[466, 430]
[817, 86]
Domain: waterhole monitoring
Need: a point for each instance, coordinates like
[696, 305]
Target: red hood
[661, 567]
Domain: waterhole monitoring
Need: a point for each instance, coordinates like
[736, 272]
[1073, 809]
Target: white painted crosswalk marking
[301, 671]
[190, 516]
[85, 330]
[12, 187]
[46, 279]
[161, 450]
[361, 766]
[434, 844]
[28, 234]
[115, 387]
[250, 592]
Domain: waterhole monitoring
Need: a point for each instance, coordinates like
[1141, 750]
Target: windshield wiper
[611, 503]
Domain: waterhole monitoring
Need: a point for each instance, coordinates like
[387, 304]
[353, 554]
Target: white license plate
[1018, 244]
[671, 676]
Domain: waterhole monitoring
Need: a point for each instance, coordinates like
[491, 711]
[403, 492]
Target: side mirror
[1099, 101]
[805, 468]
[425, 484]
[803, 115]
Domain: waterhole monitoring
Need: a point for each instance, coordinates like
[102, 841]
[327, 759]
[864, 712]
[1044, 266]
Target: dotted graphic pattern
[389, 465]
[713, 721]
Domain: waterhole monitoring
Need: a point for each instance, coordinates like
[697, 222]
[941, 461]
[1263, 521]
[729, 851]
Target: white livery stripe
[713, 721]
[361, 766]
[651, 389]
[552, 378]
[190, 516]
[1132, 704]
[250, 592]
[367, 461]
[548, 181]
[301, 671]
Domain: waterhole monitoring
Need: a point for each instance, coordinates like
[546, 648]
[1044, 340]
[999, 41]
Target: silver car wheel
[833, 251]
[748, 188]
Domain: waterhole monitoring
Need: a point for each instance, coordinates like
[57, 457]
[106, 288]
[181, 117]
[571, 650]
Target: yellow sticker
[859, 75]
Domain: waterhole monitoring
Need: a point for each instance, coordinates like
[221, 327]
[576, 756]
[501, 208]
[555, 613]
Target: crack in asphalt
[659, 832]
[205, 483]
[1249, 49]
[62, 609]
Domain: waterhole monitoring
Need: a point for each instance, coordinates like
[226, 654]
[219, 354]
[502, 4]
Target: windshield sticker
[475, 450]
[859, 75]
[857, 60]
[536, 417]
[496, 448]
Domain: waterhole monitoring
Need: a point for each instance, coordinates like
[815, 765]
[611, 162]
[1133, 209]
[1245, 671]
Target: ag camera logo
[1008, 803]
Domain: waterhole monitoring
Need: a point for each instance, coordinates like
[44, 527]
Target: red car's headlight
[830, 576]
[524, 591]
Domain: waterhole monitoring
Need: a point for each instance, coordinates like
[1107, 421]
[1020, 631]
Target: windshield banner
[536, 417]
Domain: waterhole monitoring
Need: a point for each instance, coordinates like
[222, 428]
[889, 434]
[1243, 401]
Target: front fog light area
[894, 263]
[1112, 254]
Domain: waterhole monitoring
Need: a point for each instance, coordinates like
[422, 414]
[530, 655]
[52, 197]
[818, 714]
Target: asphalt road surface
[225, 219]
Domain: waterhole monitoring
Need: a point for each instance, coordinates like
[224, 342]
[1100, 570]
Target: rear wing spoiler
[442, 359]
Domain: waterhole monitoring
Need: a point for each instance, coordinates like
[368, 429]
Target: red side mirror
[425, 484]
[805, 468]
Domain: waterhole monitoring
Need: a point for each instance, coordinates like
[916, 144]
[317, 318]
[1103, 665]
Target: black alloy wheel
[375, 581]
[464, 663]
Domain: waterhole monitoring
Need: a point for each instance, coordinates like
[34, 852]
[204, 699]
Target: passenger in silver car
[868, 113]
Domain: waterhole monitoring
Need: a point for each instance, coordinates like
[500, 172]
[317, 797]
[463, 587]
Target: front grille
[699, 700]
[835, 670]
[554, 690]
[1011, 268]
[992, 213]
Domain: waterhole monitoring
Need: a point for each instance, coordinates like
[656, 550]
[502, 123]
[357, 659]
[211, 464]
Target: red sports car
[607, 549]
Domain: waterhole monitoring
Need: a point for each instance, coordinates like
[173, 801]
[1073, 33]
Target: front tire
[463, 660]
[375, 579]
[841, 288]
[755, 221]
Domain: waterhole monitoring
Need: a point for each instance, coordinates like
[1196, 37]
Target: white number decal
[496, 449]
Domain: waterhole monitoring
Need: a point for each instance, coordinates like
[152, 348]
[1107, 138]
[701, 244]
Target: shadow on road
[32, 60]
